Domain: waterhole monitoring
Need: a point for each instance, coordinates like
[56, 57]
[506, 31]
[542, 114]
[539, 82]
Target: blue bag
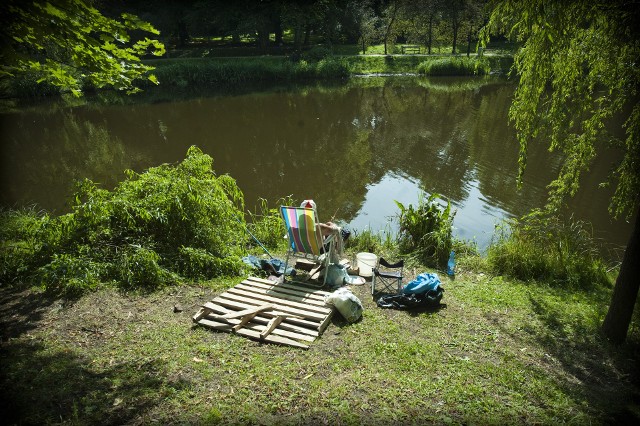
[423, 283]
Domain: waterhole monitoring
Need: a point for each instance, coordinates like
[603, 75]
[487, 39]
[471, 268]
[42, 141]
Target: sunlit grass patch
[454, 65]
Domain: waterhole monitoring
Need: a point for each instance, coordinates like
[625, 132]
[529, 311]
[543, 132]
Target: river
[354, 148]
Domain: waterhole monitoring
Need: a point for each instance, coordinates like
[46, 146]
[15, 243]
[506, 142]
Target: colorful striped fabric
[301, 227]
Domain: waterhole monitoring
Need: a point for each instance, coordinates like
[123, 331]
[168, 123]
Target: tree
[455, 11]
[389, 16]
[578, 66]
[364, 20]
[69, 43]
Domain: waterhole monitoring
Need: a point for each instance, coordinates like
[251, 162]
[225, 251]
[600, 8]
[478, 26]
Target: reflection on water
[378, 209]
[353, 148]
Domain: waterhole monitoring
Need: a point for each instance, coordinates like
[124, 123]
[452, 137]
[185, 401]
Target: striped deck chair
[305, 237]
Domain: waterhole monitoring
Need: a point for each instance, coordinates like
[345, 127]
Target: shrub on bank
[454, 66]
[544, 248]
[426, 230]
[28, 86]
[169, 222]
[231, 73]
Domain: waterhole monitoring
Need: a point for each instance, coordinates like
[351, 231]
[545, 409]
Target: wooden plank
[316, 306]
[303, 292]
[223, 326]
[231, 303]
[232, 314]
[244, 320]
[272, 338]
[325, 323]
[302, 295]
[300, 308]
[215, 325]
[312, 317]
[248, 311]
[312, 333]
[300, 286]
[281, 330]
[271, 326]
[202, 312]
[253, 334]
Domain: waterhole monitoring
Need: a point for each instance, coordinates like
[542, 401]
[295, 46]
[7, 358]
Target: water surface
[353, 148]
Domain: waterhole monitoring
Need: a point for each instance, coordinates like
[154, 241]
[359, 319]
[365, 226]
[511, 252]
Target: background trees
[270, 23]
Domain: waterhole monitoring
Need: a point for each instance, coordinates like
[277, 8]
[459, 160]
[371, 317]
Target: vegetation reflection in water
[354, 148]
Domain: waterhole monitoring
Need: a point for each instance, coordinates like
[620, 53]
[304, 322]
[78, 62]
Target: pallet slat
[285, 289]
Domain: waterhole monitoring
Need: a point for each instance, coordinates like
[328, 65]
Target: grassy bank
[233, 72]
[498, 352]
[222, 72]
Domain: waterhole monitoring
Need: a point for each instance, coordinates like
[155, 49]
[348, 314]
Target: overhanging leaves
[71, 44]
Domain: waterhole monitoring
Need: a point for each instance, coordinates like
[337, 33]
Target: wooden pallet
[284, 313]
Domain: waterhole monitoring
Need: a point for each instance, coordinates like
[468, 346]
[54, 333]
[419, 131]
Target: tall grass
[454, 66]
[266, 224]
[199, 72]
[365, 240]
[547, 248]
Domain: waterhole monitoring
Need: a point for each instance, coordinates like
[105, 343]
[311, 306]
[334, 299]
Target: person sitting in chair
[327, 229]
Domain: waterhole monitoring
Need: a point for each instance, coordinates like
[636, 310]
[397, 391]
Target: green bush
[169, 221]
[546, 248]
[219, 72]
[19, 241]
[27, 85]
[317, 53]
[426, 230]
[454, 66]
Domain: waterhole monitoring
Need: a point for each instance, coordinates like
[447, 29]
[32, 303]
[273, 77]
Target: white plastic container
[366, 263]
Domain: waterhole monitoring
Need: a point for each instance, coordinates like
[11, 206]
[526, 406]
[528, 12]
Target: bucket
[366, 263]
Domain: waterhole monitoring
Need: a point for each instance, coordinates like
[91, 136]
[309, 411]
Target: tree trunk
[278, 32]
[387, 32]
[469, 43]
[297, 38]
[183, 34]
[364, 49]
[455, 39]
[430, 34]
[625, 293]
[307, 34]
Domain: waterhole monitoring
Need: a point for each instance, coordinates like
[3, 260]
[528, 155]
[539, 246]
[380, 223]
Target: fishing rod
[254, 237]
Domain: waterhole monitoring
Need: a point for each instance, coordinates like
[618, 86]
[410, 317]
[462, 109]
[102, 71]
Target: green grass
[454, 65]
[543, 248]
[499, 352]
[221, 72]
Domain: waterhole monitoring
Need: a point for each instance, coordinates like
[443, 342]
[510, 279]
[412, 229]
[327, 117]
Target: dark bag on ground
[424, 291]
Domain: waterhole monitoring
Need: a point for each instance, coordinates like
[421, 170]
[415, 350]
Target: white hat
[308, 203]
